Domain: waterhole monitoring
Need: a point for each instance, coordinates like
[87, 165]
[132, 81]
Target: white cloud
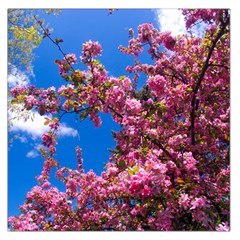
[67, 131]
[35, 152]
[22, 139]
[32, 154]
[17, 77]
[36, 127]
[173, 20]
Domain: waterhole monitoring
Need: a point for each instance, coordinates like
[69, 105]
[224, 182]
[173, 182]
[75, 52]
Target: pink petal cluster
[223, 227]
[189, 161]
[91, 49]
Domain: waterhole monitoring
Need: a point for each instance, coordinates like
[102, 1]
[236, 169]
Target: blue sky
[76, 27]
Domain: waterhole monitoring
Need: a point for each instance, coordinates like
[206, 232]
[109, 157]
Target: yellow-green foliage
[24, 34]
[23, 37]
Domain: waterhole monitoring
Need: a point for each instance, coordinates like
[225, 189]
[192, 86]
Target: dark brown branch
[201, 76]
[219, 65]
[181, 78]
[158, 144]
[54, 42]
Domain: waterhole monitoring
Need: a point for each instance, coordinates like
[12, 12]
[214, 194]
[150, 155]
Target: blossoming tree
[170, 169]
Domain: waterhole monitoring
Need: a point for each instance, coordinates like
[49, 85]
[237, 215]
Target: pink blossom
[70, 58]
[134, 187]
[184, 201]
[17, 90]
[79, 159]
[145, 32]
[223, 227]
[91, 49]
[146, 192]
[47, 140]
[96, 119]
[54, 124]
[46, 184]
[72, 185]
[126, 83]
[158, 84]
[134, 211]
[200, 202]
[31, 101]
[189, 161]
[169, 42]
[133, 105]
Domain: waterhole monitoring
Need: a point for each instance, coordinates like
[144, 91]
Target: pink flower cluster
[169, 42]
[91, 49]
[157, 84]
[43, 99]
[189, 161]
[223, 227]
[66, 63]
[207, 15]
[70, 58]
[133, 106]
[79, 159]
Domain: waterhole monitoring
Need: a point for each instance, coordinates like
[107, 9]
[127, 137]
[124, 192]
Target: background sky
[76, 27]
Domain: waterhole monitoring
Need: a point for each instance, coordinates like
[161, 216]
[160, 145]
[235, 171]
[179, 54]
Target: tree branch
[201, 76]
[218, 65]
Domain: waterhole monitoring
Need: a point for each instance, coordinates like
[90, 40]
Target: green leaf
[14, 101]
[96, 62]
[122, 165]
[58, 40]
[46, 122]
[70, 101]
[122, 77]
[189, 89]
[12, 28]
[133, 170]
